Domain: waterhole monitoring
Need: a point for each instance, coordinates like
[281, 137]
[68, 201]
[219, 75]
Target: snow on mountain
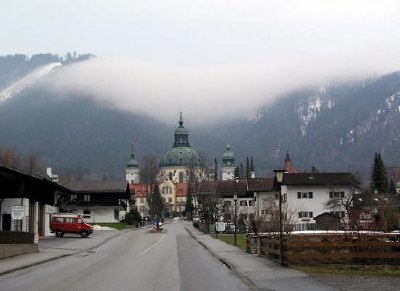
[27, 81]
[309, 110]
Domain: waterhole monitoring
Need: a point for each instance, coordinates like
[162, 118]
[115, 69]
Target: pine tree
[378, 178]
[252, 169]
[392, 188]
[237, 172]
[189, 207]
[247, 168]
[215, 169]
[155, 201]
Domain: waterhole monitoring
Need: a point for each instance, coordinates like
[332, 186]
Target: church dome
[181, 153]
[132, 162]
[180, 156]
[228, 154]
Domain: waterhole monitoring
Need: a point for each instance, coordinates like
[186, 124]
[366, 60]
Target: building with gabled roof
[305, 195]
[97, 201]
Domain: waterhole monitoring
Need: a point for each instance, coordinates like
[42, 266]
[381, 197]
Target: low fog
[206, 94]
[210, 59]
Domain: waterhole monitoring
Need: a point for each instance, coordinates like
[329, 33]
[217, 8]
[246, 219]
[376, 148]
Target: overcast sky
[209, 58]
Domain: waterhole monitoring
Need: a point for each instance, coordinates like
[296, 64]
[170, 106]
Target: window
[58, 219]
[166, 190]
[306, 214]
[251, 202]
[169, 200]
[73, 197]
[86, 197]
[340, 214]
[243, 202]
[69, 220]
[141, 200]
[180, 177]
[227, 203]
[141, 209]
[309, 195]
[333, 194]
[86, 213]
[170, 176]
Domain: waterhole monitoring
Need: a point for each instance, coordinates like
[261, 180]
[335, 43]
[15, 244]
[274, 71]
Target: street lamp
[216, 220]
[235, 196]
[279, 179]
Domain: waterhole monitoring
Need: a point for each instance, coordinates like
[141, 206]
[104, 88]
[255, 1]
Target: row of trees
[30, 162]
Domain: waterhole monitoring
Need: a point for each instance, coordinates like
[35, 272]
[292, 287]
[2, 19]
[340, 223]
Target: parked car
[69, 223]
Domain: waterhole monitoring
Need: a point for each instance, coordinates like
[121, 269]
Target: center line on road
[156, 244]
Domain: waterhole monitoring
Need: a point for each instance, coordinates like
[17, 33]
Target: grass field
[117, 225]
[229, 238]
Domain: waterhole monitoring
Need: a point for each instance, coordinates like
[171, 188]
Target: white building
[305, 195]
[228, 164]
[132, 170]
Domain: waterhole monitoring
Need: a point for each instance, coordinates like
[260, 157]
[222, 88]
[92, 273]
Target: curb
[62, 255]
[231, 266]
[34, 264]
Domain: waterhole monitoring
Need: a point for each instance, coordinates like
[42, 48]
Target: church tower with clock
[228, 164]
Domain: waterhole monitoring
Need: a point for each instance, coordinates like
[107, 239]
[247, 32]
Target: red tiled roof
[138, 190]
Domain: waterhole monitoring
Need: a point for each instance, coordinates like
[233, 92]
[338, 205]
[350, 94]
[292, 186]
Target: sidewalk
[257, 272]
[45, 254]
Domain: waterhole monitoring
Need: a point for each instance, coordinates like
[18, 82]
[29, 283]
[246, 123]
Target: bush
[133, 217]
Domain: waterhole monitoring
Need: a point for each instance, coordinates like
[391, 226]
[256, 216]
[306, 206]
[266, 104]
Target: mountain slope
[338, 127]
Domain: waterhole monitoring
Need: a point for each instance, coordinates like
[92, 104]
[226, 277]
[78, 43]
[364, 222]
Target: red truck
[69, 223]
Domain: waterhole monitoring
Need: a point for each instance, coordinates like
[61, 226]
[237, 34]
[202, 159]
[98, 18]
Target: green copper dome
[181, 153]
[228, 154]
[180, 156]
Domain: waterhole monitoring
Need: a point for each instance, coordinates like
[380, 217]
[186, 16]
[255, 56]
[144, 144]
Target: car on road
[69, 223]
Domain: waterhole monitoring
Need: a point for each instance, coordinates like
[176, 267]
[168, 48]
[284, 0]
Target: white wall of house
[312, 201]
[264, 200]
[49, 211]
[99, 214]
[6, 207]
[245, 206]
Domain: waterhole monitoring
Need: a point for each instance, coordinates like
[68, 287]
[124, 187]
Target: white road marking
[156, 244]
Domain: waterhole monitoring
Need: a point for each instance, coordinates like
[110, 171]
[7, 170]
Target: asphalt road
[135, 260]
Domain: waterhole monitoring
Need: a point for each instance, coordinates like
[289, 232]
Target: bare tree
[32, 164]
[149, 170]
[269, 221]
[340, 202]
[11, 158]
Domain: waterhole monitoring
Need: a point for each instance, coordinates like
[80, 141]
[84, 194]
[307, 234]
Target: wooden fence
[329, 248]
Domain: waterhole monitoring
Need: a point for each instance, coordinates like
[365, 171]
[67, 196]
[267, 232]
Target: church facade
[179, 166]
